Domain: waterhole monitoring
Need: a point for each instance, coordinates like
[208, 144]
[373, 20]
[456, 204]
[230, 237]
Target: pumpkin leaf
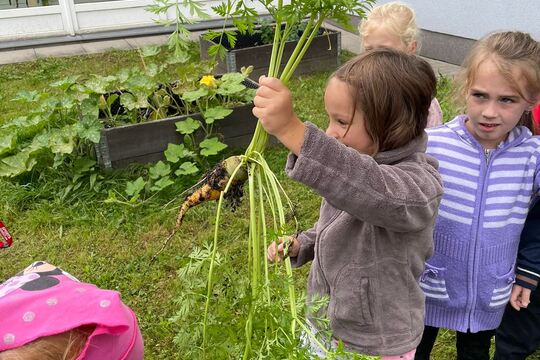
[216, 113]
[160, 170]
[187, 168]
[187, 126]
[211, 146]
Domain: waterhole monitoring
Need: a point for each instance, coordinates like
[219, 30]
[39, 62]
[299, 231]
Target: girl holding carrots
[380, 197]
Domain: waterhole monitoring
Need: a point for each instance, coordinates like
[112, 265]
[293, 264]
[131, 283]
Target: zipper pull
[487, 152]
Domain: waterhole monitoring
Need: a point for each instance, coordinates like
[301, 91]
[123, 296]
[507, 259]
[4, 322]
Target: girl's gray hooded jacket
[373, 236]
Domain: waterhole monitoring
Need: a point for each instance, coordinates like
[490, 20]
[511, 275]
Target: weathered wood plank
[146, 142]
[318, 57]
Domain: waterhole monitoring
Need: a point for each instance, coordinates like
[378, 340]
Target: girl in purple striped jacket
[490, 167]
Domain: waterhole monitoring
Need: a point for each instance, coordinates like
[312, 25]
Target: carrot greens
[269, 206]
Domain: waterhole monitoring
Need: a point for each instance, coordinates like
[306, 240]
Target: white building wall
[68, 18]
[474, 18]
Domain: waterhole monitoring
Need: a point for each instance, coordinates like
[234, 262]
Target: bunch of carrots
[265, 192]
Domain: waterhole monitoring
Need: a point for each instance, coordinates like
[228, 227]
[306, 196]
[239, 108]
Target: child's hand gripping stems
[288, 246]
[274, 109]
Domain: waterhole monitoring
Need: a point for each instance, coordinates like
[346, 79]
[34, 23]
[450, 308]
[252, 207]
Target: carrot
[210, 187]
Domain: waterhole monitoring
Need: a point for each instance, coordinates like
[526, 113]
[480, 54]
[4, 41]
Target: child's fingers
[262, 100]
[275, 252]
[525, 297]
[520, 297]
[514, 297]
[271, 252]
[280, 251]
[271, 83]
[515, 304]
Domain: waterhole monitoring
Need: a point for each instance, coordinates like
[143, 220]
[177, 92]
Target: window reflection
[18, 4]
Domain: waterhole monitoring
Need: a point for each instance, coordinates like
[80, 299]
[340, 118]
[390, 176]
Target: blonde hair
[397, 17]
[509, 50]
[64, 346]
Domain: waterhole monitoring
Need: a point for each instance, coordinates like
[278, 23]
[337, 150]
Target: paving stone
[138, 42]
[17, 56]
[60, 50]
[94, 47]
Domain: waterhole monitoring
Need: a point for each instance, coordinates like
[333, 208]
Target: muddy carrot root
[210, 187]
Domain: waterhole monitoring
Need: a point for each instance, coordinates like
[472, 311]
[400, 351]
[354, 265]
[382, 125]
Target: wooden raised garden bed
[146, 142]
[323, 54]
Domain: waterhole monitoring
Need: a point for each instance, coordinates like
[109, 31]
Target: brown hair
[394, 91]
[64, 346]
[397, 17]
[509, 51]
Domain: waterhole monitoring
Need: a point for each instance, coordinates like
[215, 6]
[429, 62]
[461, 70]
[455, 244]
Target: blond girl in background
[393, 25]
[490, 165]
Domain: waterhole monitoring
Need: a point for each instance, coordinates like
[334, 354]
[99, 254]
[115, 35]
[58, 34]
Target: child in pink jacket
[48, 314]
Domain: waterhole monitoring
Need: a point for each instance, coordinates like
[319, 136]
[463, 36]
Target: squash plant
[63, 123]
[270, 331]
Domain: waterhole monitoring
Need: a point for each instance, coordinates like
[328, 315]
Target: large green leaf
[211, 146]
[232, 78]
[7, 142]
[27, 125]
[160, 170]
[148, 51]
[100, 84]
[162, 184]
[153, 69]
[191, 96]
[133, 188]
[132, 102]
[40, 141]
[89, 107]
[140, 82]
[216, 113]
[188, 126]
[89, 128]
[16, 164]
[83, 165]
[27, 96]
[230, 89]
[66, 82]
[62, 141]
[187, 168]
[176, 152]
[18, 122]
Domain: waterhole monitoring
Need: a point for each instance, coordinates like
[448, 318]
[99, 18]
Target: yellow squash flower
[209, 81]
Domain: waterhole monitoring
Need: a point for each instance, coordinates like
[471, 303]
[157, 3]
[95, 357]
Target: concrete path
[349, 41]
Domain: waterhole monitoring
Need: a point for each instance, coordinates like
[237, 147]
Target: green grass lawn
[111, 245]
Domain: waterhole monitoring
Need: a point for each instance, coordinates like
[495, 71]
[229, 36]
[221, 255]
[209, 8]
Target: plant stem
[209, 284]
[288, 72]
[297, 49]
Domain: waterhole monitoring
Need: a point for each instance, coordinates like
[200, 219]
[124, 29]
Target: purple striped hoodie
[468, 280]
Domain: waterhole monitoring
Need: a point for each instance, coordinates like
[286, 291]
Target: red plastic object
[536, 119]
[5, 237]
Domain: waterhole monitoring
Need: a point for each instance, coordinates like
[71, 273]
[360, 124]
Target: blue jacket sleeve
[528, 261]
